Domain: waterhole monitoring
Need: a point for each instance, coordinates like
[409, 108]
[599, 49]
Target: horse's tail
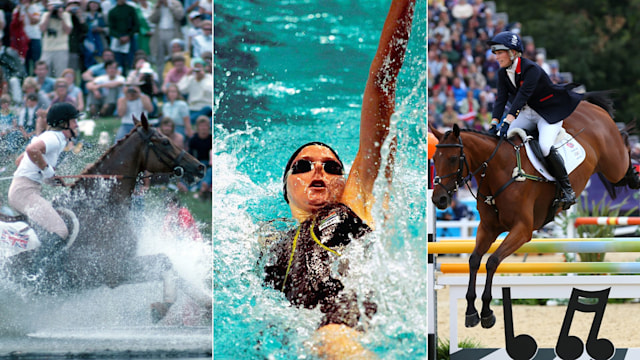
[609, 186]
[602, 99]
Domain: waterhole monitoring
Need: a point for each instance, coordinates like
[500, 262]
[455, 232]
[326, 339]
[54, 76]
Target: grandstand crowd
[109, 58]
[462, 70]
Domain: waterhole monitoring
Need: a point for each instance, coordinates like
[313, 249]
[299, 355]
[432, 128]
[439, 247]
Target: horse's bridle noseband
[178, 170]
[462, 161]
[460, 180]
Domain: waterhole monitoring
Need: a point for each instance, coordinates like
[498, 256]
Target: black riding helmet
[61, 113]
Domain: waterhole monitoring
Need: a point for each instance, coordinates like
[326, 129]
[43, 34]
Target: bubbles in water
[390, 263]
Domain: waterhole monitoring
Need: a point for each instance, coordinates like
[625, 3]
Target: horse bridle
[178, 170]
[462, 162]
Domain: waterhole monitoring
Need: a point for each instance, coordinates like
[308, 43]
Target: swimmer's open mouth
[317, 183]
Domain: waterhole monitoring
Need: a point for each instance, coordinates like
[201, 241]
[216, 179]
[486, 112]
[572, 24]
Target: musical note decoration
[521, 347]
[524, 347]
[571, 347]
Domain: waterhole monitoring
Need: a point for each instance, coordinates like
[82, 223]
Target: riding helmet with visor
[506, 40]
[62, 113]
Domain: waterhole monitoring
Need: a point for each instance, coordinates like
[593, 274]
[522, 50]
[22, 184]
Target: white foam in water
[252, 321]
[117, 319]
[259, 321]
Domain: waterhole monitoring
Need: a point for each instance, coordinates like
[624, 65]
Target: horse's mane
[470, 130]
[109, 151]
[481, 132]
[602, 99]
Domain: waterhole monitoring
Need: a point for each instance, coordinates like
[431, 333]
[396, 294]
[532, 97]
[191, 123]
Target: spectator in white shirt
[204, 41]
[197, 86]
[104, 91]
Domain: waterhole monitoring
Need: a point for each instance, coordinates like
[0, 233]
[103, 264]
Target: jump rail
[550, 267]
[531, 287]
[603, 220]
[580, 245]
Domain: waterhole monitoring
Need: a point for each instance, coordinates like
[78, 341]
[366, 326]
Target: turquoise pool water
[286, 73]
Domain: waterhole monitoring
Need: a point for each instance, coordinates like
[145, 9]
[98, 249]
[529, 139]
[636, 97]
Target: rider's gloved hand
[47, 172]
[504, 129]
[493, 129]
[54, 181]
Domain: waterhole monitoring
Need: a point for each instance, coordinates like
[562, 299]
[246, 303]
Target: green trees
[595, 40]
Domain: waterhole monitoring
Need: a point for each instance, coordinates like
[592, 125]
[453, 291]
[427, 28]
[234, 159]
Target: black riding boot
[555, 165]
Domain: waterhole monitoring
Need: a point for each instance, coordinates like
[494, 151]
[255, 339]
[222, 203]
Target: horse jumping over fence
[104, 252]
[520, 207]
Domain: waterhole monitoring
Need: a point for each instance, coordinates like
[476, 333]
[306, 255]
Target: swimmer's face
[311, 190]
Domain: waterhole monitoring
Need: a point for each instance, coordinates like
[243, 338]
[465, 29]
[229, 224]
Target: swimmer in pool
[332, 210]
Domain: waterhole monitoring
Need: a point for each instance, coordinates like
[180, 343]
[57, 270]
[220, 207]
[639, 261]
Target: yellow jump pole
[551, 267]
[544, 246]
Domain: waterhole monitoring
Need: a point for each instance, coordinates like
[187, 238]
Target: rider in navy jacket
[536, 102]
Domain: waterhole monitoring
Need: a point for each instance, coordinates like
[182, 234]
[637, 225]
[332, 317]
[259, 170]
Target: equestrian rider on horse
[535, 102]
[37, 167]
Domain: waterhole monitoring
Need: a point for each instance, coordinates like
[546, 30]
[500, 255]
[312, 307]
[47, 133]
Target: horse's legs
[514, 240]
[484, 239]
[159, 267]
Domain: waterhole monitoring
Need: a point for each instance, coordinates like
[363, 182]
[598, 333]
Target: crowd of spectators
[109, 58]
[462, 70]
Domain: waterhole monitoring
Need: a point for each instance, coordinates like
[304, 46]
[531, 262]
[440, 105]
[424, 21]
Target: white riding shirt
[55, 142]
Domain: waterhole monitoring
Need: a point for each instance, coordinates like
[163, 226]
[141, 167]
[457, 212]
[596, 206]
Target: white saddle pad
[16, 237]
[569, 149]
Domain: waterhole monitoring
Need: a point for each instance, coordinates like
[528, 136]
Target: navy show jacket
[534, 88]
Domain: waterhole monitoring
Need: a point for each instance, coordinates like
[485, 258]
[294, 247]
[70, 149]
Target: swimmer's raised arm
[378, 105]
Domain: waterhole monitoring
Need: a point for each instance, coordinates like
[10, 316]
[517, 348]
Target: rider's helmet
[506, 40]
[61, 113]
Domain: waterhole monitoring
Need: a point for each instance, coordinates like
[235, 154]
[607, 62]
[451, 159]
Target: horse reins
[178, 171]
[462, 162]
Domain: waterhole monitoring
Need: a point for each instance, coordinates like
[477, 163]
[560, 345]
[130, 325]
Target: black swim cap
[290, 162]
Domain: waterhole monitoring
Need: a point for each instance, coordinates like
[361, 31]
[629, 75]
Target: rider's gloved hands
[54, 181]
[504, 129]
[47, 172]
[494, 129]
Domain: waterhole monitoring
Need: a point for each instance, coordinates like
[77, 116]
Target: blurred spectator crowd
[462, 70]
[110, 58]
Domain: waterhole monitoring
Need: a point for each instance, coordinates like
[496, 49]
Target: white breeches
[528, 119]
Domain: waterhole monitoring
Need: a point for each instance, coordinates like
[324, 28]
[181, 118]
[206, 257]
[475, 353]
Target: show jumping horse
[104, 252]
[520, 207]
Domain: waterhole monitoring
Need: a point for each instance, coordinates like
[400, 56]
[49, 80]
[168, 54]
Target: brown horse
[104, 252]
[520, 207]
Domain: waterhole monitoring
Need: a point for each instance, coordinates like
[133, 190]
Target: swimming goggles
[304, 166]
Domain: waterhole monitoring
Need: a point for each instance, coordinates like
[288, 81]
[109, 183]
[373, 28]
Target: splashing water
[119, 319]
[300, 78]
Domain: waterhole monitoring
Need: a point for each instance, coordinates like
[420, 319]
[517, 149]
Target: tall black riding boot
[555, 165]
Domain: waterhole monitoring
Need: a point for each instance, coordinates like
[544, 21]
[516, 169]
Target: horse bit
[178, 171]
[462, 162]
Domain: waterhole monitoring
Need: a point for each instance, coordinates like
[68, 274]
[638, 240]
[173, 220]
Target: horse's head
[449, 164]
[161, 155]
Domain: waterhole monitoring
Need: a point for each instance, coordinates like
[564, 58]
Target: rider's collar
[512, 68]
